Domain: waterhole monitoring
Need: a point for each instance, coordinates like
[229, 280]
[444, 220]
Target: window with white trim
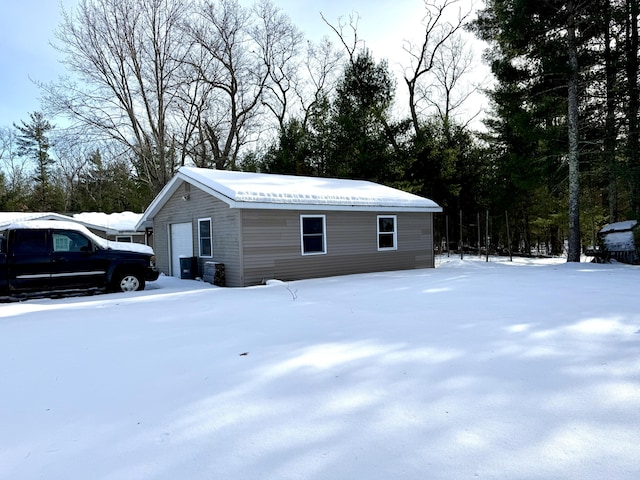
[124, 238]
[313, 234]
[387, 232]
[204, 237]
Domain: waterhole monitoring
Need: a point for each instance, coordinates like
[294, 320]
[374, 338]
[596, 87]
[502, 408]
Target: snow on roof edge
[247, 190]
[7, 218]
[114, 223]
[118, 222]
[222, 192]
[619, 226]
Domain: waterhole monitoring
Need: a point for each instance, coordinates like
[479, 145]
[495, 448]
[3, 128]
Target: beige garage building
[264, 226]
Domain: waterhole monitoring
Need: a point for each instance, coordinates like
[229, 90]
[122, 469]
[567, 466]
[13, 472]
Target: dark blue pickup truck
[43, 258]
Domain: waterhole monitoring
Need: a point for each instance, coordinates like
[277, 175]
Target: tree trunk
[573, 254]
[610, 142]
[633, 105]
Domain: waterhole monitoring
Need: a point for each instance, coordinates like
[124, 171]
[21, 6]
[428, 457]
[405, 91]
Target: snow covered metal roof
[619, 226]
[290, 192]
[278, 190]
[111, 224]
[7, 218]
[120, 222]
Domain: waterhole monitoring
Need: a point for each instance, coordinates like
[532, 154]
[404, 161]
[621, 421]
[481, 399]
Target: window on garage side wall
[387, 234]
[313, 234]
[204, 237]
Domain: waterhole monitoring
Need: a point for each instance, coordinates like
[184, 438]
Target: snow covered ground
[523, 370]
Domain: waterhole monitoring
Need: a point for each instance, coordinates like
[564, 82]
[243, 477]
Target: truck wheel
[129, 282]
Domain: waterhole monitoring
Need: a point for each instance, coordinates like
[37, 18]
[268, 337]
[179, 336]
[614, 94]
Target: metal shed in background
[618, 241]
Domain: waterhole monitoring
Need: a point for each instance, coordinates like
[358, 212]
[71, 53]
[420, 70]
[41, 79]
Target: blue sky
[28, 26]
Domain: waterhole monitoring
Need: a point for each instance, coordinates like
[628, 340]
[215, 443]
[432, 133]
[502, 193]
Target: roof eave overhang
[173, 185]
[332, 207]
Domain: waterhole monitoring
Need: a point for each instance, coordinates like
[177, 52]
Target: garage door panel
[181, 245]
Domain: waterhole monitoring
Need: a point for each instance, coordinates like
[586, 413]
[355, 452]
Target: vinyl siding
[225, 226]
[271, 245]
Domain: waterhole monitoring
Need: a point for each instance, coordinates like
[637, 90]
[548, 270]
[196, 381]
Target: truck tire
[128, 282]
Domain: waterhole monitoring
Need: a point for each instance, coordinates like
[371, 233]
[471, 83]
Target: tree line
[156, 84]
[563, 127]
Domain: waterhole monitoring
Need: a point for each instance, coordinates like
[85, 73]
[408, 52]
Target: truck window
[30, 242]
[3, 244]
[70, 242]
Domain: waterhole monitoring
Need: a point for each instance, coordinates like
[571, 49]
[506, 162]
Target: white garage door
[181, 245]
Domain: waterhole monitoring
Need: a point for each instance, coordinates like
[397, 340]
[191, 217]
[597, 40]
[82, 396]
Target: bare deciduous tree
[174, 81]
[126, 55]
[73, 156]
[241, 60]
[440, 24]
[280, 43]
[448, 93]
[320, 72]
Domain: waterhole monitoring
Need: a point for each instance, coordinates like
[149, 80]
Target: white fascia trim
[325, 207]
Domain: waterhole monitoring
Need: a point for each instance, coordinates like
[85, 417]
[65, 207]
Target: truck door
[4, 270]
[75, 263]
[30, 261]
